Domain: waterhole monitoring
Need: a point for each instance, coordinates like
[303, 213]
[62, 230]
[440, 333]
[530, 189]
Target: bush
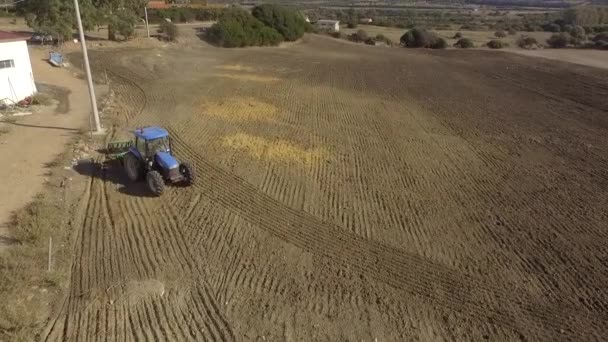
[601, 44]
[457, 35]
[500, 34]
[552, 27]
[359, 36]
[512, 31]
[336, 34]
[238, 28]
[578, 32]
[290, 24]
[439, 43]
[464, 43]
[603, 36]
[170, 30]
[527, 42]
[496, 44]
[416, 38]
[351, 25]
[559, 40]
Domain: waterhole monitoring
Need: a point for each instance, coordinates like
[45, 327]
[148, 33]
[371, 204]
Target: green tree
[290, 24]
[416, 38]
[238, 28]
[58, 17]
[464, 43]
[559, 40]
[120, 15]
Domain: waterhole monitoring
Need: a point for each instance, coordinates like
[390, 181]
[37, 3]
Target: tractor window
[140, 144]
[158, 145]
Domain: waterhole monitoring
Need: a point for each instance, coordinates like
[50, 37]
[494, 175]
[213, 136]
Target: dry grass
[235, 67]
[240, 108]
[27, 290]
[277, 150]
[247, 77]
[42, 99]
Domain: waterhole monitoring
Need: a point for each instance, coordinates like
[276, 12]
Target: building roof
[150, 133]
[12, 37]
[154, 4]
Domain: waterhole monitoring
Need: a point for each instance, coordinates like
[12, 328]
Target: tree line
[267, 24]
[57, 17]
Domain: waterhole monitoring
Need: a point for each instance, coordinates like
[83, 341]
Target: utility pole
[87, 68]
[147, 28]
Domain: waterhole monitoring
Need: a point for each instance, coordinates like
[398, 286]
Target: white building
[329, 25]
[16, 78]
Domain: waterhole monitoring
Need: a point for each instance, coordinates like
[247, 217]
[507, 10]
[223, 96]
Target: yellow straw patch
[280, 150]
[240, 108]
[247, 77]
[235, 67]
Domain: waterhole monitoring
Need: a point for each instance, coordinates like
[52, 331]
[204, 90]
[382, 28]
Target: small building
[366, 20]
[155, 4]
[16, 77]
[328, 25]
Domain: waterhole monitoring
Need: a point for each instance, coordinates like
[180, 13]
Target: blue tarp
[56, 59]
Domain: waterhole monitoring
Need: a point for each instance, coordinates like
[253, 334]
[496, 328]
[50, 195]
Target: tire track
[438, 284]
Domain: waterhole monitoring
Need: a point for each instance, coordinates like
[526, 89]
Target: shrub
[238, 28]
[439, 43]
[512, 31]
[457, 35]
[170, 30]
[552, 27]
[290, 24]
[500, 34]
[336, 34]
[370, 41]
[603, 36]
[527, 42]
[359, 36]
[464, 43]
[351, 25]
[416, 38]
[559, 40]
[578, 32]
[601, 44]
[496, 44]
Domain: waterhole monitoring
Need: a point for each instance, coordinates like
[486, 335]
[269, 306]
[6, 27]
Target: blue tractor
[150, 157]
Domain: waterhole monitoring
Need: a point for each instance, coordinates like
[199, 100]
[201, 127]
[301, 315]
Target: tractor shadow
[111, 171]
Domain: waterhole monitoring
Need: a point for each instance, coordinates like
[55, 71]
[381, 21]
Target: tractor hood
[166, 160]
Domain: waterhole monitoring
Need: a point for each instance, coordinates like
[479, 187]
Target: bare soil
[349, 193]
[32, 142]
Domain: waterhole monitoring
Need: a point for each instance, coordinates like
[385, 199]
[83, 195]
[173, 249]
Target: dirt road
[350, 193]
[35, 140]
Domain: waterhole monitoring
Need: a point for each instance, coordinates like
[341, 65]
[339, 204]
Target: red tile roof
[157, 5]
[12, 37]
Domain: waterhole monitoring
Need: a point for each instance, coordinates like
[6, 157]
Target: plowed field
[352, 193]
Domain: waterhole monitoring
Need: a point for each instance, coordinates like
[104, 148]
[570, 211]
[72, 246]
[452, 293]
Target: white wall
[16, 83]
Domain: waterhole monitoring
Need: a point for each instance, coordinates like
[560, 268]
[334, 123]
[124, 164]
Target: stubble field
[348, 192]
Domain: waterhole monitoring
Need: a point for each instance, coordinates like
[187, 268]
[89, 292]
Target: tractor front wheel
[132, 166]
[156, 183]
[188, 172]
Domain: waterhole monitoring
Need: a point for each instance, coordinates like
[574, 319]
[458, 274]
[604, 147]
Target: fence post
[50, 252]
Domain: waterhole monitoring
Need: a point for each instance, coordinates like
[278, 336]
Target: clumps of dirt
[241, 108]
[235, 67]
[275, 150]
[140, 289]
[247, 77]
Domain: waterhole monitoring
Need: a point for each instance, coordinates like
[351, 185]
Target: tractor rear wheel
[132, 167]
[188, 172]
[156, 183]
